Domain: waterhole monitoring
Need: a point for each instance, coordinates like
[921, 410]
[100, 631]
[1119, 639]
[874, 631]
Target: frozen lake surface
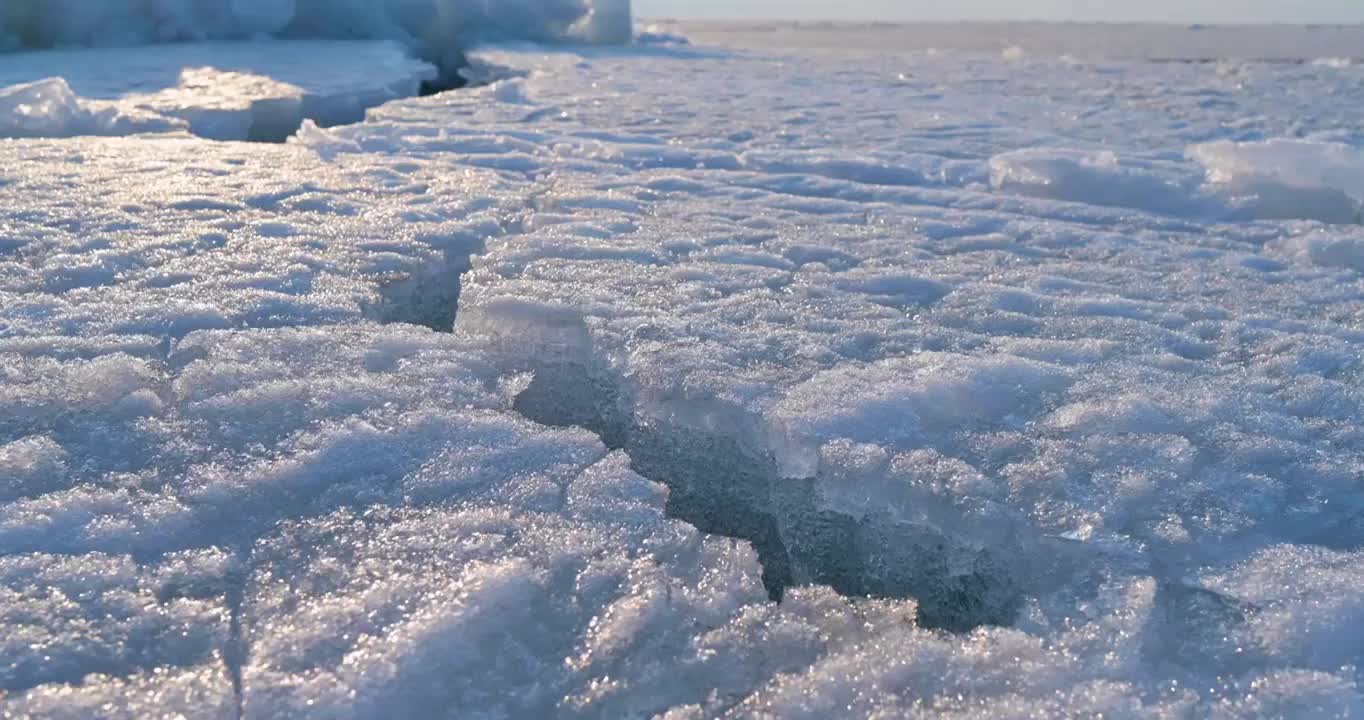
[1093, 41]
[741, 378]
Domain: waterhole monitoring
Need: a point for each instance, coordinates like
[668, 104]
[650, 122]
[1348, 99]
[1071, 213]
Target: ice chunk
[1298, 595]
[1284, 178]
[261, 91]
[903, 402]
[659, 34]
[438, 30]
[1098, 178]
[1326, 249]
[49, 108]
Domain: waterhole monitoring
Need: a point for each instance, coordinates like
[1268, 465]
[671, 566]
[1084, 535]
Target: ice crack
[722, 487]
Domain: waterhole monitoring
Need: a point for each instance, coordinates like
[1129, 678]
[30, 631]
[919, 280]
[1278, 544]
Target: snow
[688, 382]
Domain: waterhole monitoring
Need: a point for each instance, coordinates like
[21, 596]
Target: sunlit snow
[683, 380]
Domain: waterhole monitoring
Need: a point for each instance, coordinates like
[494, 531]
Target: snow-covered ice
[49, 108]
[260, 91]
[687, 381]
[1289, 178]
[1336, 45]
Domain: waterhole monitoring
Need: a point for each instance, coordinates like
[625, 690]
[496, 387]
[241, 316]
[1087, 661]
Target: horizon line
[1306, 24]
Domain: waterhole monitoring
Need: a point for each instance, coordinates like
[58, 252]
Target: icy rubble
[999, 450]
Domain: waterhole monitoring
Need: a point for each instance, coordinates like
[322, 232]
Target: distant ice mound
[438, 30]
[1279, 179]
[661, 35]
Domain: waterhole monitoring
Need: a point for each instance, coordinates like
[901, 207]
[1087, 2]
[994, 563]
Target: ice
[439, 30]
[48, 108]
[1098, 178]
[1086, 41]
[1299, 594]
[1326, 250]
[681, 381]
[1288, 178]
[1270, 179]
[894, 403]
[258, 91]
[1064, 420]
[1338, 63]
[658, 34]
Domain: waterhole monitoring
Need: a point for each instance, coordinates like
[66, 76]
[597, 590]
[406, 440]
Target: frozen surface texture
[1030, 387]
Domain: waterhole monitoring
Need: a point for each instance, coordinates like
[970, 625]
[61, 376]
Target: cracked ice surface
[1025, 405]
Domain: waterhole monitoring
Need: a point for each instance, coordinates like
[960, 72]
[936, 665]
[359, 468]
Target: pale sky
[1180, 11]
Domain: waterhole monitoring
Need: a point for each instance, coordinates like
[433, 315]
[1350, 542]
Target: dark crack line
[721, 487]
[236, 652]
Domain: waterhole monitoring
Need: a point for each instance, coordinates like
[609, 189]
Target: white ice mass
[687, 380]
[438, 29]
[171, 70]
[258, 91]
